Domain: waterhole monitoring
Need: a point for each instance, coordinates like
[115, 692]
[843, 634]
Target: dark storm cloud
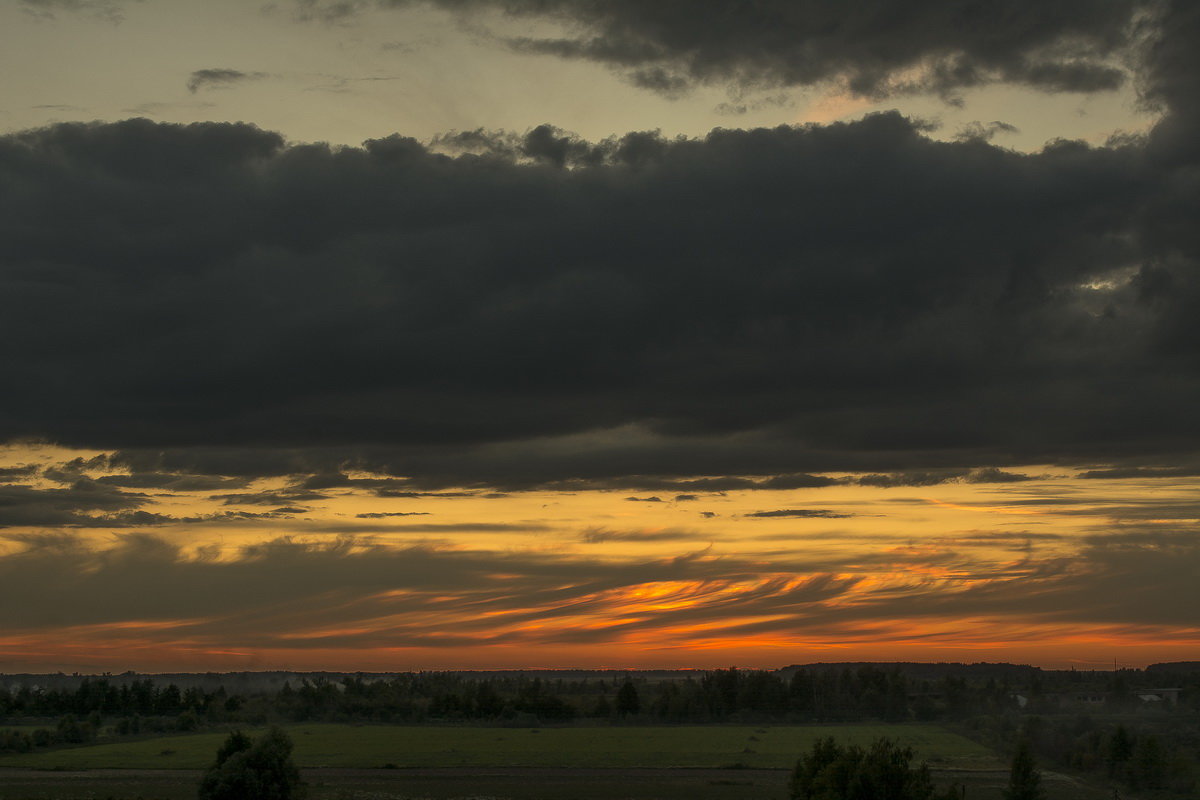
[302, 294]
[541, 311]
[220, 78]
[668, 46]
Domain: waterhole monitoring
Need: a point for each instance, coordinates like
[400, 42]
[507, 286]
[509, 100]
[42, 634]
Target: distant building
[1159, 695]
[1081, 697]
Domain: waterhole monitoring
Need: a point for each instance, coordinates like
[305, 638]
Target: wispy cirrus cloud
[108, 10]
[352, 595]
[220, 78]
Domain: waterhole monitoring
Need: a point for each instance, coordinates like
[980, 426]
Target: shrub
[260, 770]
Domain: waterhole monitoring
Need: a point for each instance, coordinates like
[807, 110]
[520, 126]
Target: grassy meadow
[355, 762]
[375, 746]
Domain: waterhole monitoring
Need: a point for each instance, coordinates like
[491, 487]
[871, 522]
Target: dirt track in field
[450, 783]
[557, 773]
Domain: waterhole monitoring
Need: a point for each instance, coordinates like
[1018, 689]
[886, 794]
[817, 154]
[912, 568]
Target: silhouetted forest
[1138, 727]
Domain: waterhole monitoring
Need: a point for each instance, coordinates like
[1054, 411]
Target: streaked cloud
[108, 10]
[220, 78]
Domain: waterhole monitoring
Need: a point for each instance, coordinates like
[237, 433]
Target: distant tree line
[1121, 737]
[865, 692]
[140, 697]
[724, 695]
[68, 730]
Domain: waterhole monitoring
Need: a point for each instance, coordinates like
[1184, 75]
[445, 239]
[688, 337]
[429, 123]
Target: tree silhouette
[884, 772]
[261, 770]
[1024, 781]
[1120, 750]
[627, 699]
[1148, 766]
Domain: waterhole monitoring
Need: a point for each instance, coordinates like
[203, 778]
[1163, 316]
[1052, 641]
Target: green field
[372, 746]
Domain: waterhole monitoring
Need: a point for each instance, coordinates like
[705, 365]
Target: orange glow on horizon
[355, 580]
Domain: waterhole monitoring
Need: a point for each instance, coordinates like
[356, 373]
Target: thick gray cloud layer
[778, 301]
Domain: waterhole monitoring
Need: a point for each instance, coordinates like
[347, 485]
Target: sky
[466, 334]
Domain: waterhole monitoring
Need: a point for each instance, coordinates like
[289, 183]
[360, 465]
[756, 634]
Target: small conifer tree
[627, 699]
[1024, 780]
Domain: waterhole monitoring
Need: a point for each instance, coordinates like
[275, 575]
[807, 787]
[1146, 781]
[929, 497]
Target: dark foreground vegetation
[885, 770]
[246, 769]
[1134, 731]
[264, 770]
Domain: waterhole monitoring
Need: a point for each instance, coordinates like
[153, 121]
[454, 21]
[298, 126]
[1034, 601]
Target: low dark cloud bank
[212, 300]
